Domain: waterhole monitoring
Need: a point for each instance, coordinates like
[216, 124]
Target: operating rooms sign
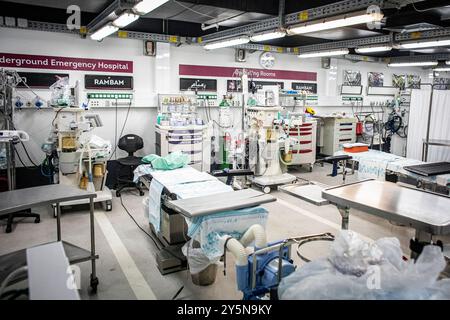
[92, 81]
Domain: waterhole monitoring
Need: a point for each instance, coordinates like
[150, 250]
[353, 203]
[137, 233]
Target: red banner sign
[13, 60]
[230, 72]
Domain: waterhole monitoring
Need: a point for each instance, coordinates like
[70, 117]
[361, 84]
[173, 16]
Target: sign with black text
[304, 86]
[99, 82]
[37, 80]
[235, 85]
[198, 84]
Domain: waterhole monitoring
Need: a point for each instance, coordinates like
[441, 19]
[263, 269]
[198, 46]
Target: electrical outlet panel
[108, 100]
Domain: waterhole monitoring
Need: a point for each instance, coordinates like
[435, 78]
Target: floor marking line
[319, 219]
[135, 278]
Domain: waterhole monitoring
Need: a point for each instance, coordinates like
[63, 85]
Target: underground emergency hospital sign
[13, 60]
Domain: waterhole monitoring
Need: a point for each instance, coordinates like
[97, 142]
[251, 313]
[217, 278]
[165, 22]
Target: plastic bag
[356, 269]
[197, 259]
[61, 93]
[172, 161]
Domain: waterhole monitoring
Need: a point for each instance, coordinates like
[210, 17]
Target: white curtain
[440, 125]
[417, 124]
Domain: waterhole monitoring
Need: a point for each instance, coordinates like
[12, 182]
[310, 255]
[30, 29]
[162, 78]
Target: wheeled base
[22, 214]
[266, 183]
[104, 197]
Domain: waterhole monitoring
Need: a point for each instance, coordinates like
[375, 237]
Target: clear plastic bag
[61, 93]
[356, 269]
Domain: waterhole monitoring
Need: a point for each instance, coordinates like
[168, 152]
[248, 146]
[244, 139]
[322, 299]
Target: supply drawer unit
[303, 139]
[192, 141]
[335, 132]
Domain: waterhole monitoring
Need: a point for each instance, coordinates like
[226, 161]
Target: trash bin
[206, 277]
[203, 271]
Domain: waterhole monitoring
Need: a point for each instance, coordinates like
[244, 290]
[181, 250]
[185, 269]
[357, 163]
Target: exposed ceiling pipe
[111, 12]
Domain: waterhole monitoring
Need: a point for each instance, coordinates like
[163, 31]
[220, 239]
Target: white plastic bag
[197, 259]
[356, 269]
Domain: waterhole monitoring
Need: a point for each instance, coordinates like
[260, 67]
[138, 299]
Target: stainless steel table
[428, 213]
[17, 200]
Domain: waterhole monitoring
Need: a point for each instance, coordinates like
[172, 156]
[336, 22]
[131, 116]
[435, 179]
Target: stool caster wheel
[8, 229]
[37, 220]
[117, 194]
[141, 193]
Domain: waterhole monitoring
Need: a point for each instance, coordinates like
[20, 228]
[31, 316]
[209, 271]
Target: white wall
[155, 75]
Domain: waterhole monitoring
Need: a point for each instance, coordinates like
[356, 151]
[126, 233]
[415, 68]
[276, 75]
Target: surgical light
[324, 53]
[125, 19]
[327, 24]
[425, 44]
[268, 36]
[413, 64]
[373, 49]
[104, 32]
[226, 43]
[145, 6]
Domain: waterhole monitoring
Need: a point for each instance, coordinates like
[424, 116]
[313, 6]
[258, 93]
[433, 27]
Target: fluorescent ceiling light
[226, 43]
[268, 36]
[125, 19]
[447, 62]
[413, 64]
[425, 44]
[443, 69]
[104, 32]
[324, 53]
[327, 24]
[373, 49]
[145, 6]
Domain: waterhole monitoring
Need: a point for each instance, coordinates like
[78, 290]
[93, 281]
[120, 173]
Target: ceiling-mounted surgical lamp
[103, 32]
[268, 35]
[349, 19]
[372, 49]
[226, 43]
[424, 44]
[331, 53]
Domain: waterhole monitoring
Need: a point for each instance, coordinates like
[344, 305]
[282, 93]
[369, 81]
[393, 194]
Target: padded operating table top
[205, 205]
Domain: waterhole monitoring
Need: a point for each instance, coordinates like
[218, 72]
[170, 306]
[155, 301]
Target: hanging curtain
[440, 125]
[417, 124]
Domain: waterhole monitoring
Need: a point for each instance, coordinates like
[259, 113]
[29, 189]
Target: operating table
[196, 205]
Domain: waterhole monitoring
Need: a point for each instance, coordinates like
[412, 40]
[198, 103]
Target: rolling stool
[21, 214]
[129, 143]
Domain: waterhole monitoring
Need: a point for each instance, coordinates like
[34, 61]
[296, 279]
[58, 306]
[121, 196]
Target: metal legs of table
[58, 222]
[345, 214]
[93, 257]
[94, 279]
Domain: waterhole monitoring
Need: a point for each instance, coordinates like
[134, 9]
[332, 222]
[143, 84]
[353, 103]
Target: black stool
[129, 143]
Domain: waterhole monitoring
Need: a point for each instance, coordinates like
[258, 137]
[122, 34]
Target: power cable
[154, 241]
[122, 130]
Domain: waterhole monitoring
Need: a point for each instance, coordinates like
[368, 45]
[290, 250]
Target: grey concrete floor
[288, 217]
